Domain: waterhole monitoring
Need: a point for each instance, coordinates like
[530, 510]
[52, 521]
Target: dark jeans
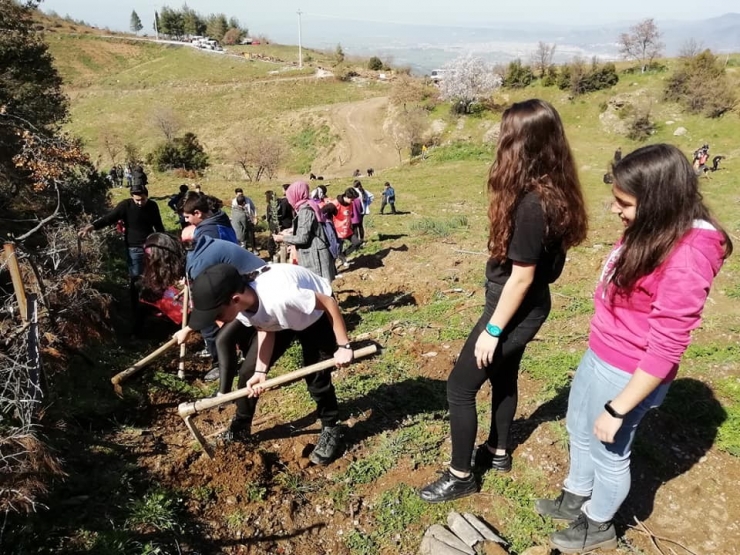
[135, 262]
[210, 337]
[389, 200]
[232, 335]
[315, 340]
[466, 379]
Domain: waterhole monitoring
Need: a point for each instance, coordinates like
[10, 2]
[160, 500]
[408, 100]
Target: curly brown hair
[164, 264]
[533, 155]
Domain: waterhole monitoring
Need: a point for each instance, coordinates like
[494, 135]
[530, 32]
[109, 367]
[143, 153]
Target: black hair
[329, 209]
[139, 190]
[351, 194]
[164, 264]
[183, 188]
[238, 190]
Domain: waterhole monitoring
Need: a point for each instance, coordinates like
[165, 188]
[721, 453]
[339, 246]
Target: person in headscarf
[308, 234]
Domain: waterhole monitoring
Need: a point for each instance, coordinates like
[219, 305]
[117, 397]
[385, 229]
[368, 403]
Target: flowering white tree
[468, 79]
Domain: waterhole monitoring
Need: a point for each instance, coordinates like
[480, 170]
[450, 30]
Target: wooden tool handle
[131, 370]
[186, 409]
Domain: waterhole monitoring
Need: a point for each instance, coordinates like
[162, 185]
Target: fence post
[15, 275]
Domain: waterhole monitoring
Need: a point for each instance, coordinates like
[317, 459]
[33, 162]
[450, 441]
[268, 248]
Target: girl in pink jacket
[649, 298]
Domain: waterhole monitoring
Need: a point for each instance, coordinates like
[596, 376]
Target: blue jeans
[597, 469]
[135, 260]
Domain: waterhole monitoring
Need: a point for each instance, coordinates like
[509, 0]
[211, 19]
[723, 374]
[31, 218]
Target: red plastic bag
[170, 304]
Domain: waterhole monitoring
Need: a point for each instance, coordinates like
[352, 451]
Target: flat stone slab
[463, 529]
[432, 546]
[483, 529]
[442, 534]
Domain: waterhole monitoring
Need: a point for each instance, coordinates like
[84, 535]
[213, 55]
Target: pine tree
[136, 25]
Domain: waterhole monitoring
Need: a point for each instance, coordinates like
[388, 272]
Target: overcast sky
[264, 16]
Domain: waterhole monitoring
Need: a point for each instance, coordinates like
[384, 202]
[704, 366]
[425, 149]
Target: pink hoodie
[651, 329]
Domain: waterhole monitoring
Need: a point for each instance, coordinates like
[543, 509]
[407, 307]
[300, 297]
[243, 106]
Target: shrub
[518, 76]
[701, 86]
[580, 80]
[641, 127]
[182, 152]
[551, 77]
[375, 64]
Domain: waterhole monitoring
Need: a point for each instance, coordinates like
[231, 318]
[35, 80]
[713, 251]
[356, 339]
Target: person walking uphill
[389, 197]
[308, 235]
[536, 213]
[650, 296]
[140, 217]
[282, 302]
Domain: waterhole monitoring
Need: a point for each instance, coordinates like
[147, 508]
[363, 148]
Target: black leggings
[466, 379]
[316, 340]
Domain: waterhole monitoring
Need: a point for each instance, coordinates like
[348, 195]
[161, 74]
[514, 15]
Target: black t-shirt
[528, 246]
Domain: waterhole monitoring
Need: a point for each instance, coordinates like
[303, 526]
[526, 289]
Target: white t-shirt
[287, 295]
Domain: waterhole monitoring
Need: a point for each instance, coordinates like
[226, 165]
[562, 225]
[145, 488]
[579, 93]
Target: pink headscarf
[297, 195]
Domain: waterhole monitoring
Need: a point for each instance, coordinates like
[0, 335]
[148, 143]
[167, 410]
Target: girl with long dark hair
[650, 297]
[536, 213]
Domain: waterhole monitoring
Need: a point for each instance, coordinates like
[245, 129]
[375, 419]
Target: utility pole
[156, 26]
[300, 46]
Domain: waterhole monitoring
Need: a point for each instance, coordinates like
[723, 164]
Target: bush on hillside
[580, 79]
[641, 127]
[551, 77]
[517, 75]
[702, 86]
[375, 64]
[182, 152]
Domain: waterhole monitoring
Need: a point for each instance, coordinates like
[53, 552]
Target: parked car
[437, 75]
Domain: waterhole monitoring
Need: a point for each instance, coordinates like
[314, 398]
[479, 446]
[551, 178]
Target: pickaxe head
[198, 436]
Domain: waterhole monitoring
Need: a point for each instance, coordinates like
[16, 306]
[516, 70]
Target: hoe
[188, 410]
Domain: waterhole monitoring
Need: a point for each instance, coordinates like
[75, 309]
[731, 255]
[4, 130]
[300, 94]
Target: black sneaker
[584, 535]
[448, 487]
[213, 374]
[567, 506]
[240, 430]
[483, 460]
[329, 445]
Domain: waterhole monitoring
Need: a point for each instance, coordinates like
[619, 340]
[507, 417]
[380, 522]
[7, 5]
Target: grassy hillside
[116, 84]
[146, 489]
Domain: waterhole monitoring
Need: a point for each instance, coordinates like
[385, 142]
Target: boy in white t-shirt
[282, 302]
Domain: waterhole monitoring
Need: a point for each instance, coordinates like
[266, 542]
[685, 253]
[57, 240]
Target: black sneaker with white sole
[239, 430]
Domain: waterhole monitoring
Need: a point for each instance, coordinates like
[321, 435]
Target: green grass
[462, 151]
[157, 509]
[728, 437]
[439, 228]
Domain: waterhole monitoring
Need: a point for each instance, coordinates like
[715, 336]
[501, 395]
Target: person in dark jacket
[140, 218]
[285, 211]
[198, 211]
[138, 177]
[201, 211]
[175, 204]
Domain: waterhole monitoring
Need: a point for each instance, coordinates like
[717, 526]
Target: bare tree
[258, 155]
[642, 43]
[542, 57]
[111, 144]
[166, 121]
[406, 129]
[690, 49]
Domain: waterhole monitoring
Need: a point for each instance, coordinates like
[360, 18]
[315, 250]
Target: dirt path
[363, 143]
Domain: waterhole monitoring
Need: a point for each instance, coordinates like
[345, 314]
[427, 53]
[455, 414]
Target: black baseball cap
[211, 291]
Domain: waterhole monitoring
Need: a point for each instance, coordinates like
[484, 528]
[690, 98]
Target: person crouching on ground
[536, 213]
[650, 296]
[282, 302]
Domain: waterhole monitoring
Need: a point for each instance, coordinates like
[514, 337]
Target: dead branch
[470, 252]
[46, 220]
[654, 538]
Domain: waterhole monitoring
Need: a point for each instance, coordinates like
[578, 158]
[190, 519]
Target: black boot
[566, 507]
[329, 445]
[483, 460]
[584, 535]
[240, 429]
[448, 487]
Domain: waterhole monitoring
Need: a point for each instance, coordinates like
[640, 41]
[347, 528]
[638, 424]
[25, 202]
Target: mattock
[190, 409]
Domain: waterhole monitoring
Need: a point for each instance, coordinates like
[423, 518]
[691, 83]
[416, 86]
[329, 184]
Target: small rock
[537, 550]
[494, 549]
[670, 122]
[680, 132]
[303, 464]
[231, 500]
[442, 534]
[463, 529]
[430, 354]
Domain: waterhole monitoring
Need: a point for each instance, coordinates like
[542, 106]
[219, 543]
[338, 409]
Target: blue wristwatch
[493, 331]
